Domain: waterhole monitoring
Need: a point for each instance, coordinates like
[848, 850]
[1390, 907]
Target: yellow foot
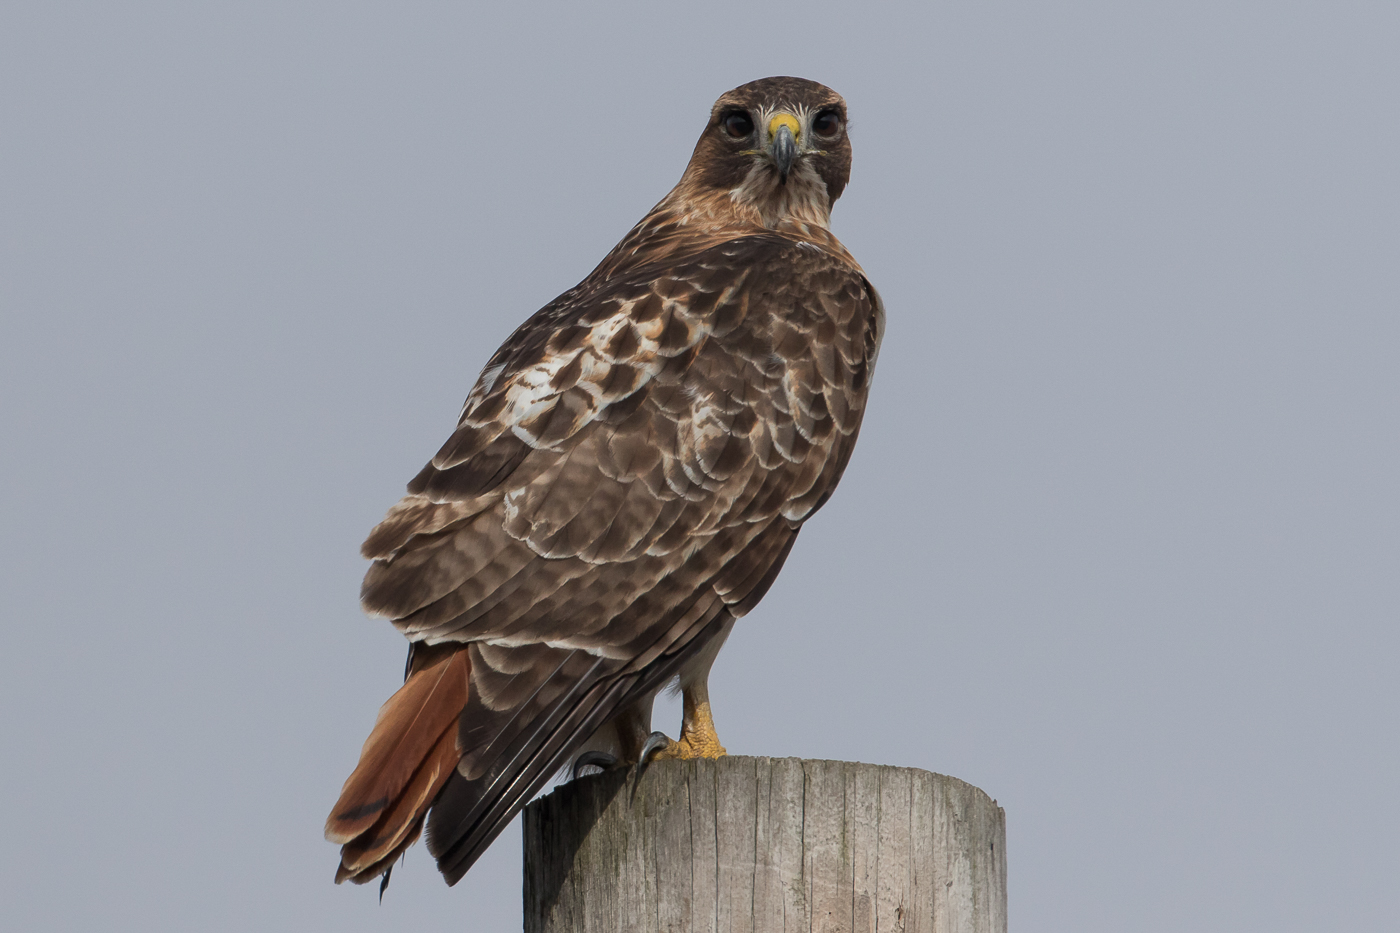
[698, 738]
[685, 750]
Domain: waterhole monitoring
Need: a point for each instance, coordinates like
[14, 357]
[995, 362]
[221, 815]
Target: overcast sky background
[1120, 544]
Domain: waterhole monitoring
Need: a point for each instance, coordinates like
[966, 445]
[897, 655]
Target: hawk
[626, 479]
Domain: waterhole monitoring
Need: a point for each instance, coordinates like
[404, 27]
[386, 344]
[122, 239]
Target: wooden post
[765, 845]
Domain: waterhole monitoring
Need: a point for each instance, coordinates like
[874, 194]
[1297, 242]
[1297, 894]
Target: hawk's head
[776, 146]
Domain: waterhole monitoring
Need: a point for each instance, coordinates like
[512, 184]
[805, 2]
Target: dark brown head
[777, 146]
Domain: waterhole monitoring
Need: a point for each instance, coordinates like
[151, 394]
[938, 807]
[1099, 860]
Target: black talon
[654, 743]
[594, 759]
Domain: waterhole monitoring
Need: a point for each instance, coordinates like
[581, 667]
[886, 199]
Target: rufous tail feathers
[407, 758]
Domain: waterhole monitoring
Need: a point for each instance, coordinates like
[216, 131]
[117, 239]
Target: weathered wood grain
[764, 845]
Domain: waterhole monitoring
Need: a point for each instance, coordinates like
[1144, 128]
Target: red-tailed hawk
[626, 479]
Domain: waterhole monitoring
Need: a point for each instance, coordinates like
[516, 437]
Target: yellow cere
[784, 119]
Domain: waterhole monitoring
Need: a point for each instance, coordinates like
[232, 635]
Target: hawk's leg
[619, 742]
[698, 738]
[633, 725]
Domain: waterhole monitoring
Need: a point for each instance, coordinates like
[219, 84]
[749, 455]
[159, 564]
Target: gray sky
[1120, 544]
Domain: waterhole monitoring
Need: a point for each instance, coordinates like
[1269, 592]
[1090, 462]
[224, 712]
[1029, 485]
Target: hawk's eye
[827, 123]
[738, 125]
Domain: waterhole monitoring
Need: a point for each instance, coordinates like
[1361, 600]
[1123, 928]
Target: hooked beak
[782, 130]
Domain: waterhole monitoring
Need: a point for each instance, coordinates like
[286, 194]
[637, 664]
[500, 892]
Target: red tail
[405, 761]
